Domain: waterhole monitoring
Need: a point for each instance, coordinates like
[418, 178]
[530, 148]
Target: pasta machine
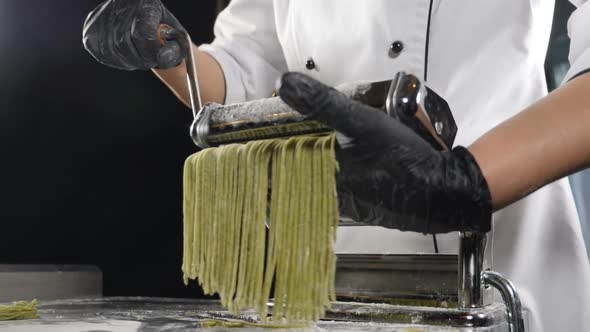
[430, 291]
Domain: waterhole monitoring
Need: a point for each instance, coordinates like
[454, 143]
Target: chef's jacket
[485, 58]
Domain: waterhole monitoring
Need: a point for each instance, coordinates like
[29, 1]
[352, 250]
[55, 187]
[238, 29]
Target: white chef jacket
[485, 58]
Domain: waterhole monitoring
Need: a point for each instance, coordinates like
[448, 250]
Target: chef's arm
[551, 138]
[391, 177]
[211, 79]
[547, 141]
[123, 35]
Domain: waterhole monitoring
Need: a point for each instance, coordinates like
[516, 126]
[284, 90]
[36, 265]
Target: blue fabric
[581, 188]
[556, 66]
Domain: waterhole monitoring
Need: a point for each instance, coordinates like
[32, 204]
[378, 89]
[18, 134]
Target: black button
[396, 48]
[310, 65]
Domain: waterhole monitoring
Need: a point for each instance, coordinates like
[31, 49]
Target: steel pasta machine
[431, 292]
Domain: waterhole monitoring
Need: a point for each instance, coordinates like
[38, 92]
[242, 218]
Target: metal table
[159, 314]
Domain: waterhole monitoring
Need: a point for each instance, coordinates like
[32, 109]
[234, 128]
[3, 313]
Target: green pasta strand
[271, 261]
[188, 216]
[227, 246]
[19, 310]
[315, 244]
[285, 220]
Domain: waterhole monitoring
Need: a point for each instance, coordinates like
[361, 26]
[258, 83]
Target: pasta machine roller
[425, 284]
[405, 98]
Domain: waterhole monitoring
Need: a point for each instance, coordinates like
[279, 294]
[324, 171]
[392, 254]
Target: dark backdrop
[91, 157]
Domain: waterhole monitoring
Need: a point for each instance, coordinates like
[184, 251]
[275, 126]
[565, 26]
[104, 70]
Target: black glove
[389, 176]
[123, 34]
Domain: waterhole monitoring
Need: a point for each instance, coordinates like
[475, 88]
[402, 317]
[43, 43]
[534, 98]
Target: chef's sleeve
[247, 48]
[578, 27]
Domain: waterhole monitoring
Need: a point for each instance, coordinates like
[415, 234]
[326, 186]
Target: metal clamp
[472, 279]
[510, 297]
[471, 253]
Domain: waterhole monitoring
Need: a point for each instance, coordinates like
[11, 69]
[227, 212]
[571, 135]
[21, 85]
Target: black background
[91, 157]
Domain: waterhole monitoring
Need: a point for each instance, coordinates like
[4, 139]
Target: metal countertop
[158, 314]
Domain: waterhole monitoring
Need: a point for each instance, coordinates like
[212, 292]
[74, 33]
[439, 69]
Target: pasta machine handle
[166, 34]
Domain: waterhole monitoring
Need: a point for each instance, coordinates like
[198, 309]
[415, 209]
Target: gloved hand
[123, 34]
[389, 176]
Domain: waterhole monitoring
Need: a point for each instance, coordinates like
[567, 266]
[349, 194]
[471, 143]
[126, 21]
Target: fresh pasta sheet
[247, 242]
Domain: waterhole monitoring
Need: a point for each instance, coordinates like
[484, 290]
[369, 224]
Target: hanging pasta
[226, 212]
